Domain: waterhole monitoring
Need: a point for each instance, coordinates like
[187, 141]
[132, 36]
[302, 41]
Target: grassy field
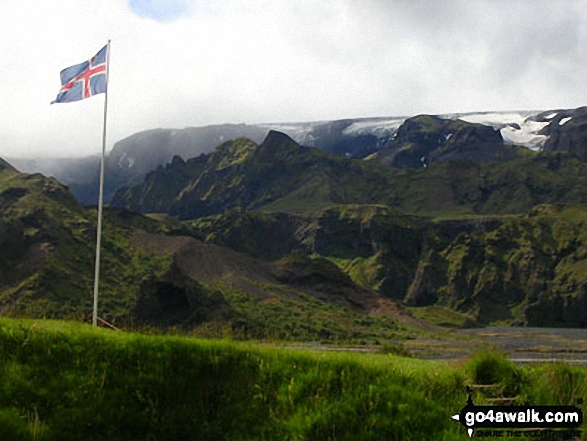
[66, 381]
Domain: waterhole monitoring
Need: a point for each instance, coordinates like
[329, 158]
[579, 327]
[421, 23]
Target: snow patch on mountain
[126, 161]
[374, 126]
[516, 127]
[563, 121]
[299, 132]
[519, 128]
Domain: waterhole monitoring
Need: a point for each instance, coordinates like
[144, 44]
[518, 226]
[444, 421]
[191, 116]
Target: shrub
[491, 367]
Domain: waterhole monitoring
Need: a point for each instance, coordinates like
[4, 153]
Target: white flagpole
[101, 198]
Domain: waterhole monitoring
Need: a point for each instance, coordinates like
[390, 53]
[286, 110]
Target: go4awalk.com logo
[517, 417]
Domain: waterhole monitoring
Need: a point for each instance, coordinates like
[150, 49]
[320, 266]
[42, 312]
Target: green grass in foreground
[64, 381]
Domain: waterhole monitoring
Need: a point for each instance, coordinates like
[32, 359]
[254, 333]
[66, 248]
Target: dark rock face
[334, 137]
[568, 132]
[132, 158]
[300, 270]
[559, 310]
[388, 240]
[177, 300]
[424, 140]
[5, 166]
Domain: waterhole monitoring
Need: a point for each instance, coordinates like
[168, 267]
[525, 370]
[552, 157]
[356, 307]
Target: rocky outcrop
[567, 132]
[423, 140]
[177, 300]
[524, 270]
[559, 310]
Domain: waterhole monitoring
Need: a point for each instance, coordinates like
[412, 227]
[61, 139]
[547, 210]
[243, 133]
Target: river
[519, 344]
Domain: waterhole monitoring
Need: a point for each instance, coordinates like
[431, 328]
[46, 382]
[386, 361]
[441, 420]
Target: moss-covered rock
[424, 140]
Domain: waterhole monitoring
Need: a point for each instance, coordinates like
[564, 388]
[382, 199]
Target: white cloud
[290, 60]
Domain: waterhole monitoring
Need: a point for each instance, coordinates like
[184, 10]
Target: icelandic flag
[83, 80]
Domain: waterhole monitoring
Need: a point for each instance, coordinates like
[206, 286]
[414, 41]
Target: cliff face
[568, 132]
[524, 269]
[377, 246]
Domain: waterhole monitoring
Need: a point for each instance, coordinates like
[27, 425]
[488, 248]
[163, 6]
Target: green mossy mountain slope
[523, 269]
[375, 244]
[306, 245]
[169, 282]
[47, 252]
[280, 175]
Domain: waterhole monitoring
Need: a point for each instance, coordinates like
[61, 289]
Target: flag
[83, 80]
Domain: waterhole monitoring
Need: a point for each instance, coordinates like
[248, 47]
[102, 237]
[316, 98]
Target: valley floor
[521, 345]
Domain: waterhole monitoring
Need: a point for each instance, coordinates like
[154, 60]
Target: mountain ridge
[133, 157]
[352, 263]
[290, 177]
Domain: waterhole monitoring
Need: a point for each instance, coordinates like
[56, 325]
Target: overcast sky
[178, 63]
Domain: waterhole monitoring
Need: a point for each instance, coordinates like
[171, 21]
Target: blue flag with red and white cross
[83, 80]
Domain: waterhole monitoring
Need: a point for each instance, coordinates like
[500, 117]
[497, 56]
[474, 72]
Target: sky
[182, 63]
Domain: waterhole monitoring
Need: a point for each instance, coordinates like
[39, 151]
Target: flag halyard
[83, 80]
